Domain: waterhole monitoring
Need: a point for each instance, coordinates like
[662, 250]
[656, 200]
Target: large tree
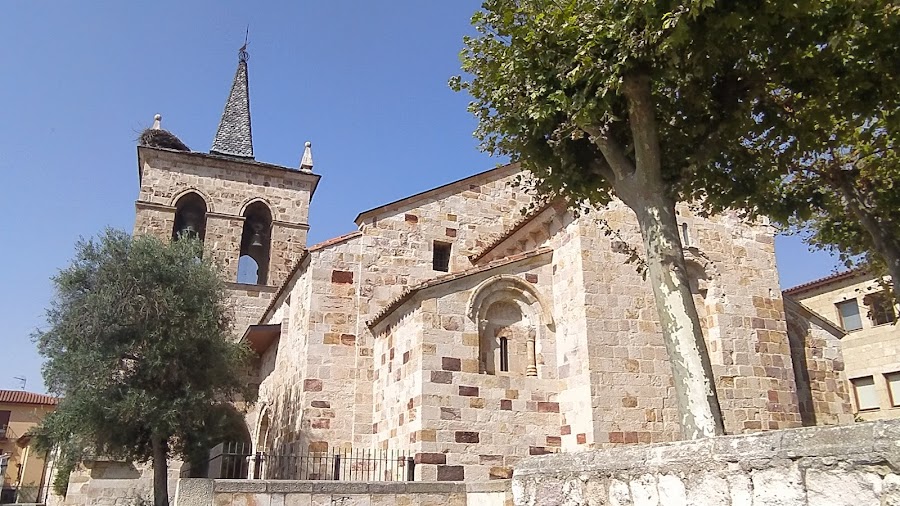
[650, 101]
[139, 346]
[826, 138]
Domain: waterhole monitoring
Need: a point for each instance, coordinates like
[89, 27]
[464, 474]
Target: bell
[189, 230]
[256, 240]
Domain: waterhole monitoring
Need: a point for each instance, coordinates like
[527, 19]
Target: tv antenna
[22, 380]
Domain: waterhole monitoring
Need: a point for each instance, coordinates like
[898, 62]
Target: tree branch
[619, 164]
[642, 117]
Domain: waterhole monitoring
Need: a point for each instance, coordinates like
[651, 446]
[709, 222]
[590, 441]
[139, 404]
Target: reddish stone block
[538, 450]
[318, 446]
[410, 404]
[411, 218]
[431, 458]
[616, 437]
[463, 436]
[565, 430]
[312, 385]
[500, 473]
[405, 357]
[548, 407]
[451, 232]
[468, 391]
[630, 437]
[451, 364]
[451, 473]
[342, 277]
[348, 339]
[531, 278]
[581, 438]
[506, 404]
[554, 441]
[320, 404]
[321, 423]
[442, 377]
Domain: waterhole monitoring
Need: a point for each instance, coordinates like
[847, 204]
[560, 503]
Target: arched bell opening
[253, 264]
[190, 217]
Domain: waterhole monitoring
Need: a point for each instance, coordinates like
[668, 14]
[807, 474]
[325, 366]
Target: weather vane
[242, 52]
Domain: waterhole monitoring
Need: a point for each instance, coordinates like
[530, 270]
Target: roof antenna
[21, 380]
[242, 52]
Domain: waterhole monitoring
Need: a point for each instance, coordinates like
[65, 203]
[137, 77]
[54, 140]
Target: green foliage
[139, 346]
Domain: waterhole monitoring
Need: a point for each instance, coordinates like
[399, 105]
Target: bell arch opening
[253, 263]
[190, 217]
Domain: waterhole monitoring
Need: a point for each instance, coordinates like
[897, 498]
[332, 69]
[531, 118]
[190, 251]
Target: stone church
[453, 326]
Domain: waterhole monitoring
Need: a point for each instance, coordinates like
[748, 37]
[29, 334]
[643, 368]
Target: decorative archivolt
[506, 286]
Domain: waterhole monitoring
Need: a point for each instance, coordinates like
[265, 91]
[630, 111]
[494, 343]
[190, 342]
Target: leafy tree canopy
[140, 347]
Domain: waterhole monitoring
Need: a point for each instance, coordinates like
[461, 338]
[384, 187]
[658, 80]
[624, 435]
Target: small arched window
[253, 264]
[190, 217]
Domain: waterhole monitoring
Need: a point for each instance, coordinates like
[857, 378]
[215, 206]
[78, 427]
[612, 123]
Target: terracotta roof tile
[409, 292]
[23, 397]
[816, 283]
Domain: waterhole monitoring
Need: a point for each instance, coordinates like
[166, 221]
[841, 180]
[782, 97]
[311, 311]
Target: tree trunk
[883, 240]
[160, 471]
[698, 404]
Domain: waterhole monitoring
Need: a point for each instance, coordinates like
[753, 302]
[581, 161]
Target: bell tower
[253, 217]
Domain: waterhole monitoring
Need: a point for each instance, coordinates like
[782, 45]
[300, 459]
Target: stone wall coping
[353, 487]
[251, 288]
[867, 442]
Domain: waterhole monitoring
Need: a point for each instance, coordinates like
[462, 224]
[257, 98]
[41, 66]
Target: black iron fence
[292, 462]
[295, 462]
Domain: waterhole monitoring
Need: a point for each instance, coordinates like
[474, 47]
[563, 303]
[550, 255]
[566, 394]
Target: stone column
[531, 368]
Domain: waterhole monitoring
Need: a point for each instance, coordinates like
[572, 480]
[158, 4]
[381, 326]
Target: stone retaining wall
[856, 465]
[201, 492]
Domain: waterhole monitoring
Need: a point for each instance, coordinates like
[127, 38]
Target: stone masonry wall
[227, 187]
[819, 365]
[471, 426]
[852, 465]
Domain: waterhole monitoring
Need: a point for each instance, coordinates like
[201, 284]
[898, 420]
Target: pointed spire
[306, 163]
[156, 120]
[234, 137]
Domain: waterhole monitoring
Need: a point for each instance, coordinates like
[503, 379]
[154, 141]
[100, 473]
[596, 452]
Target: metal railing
[289, 462]
[294, 462]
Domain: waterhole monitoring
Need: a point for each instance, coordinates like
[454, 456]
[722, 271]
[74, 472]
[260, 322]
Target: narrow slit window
[849, 312]
[441, 258]
[685, 235]
[504, 354]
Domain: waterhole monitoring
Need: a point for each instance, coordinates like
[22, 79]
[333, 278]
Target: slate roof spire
[234, 137]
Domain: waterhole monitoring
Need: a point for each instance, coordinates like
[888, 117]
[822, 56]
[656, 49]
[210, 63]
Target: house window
[893, 382]
[881, 308]
[866, 395]
[504, 354]
[441, 259]
[4, 423]
[849, 312]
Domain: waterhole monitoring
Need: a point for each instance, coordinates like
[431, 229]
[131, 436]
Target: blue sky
[365, 82]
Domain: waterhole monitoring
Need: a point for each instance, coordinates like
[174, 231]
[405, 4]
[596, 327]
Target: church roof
[460, 183]
[234, 136]
[412, 290]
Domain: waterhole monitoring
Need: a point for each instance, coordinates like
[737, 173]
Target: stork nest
[161, 139]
